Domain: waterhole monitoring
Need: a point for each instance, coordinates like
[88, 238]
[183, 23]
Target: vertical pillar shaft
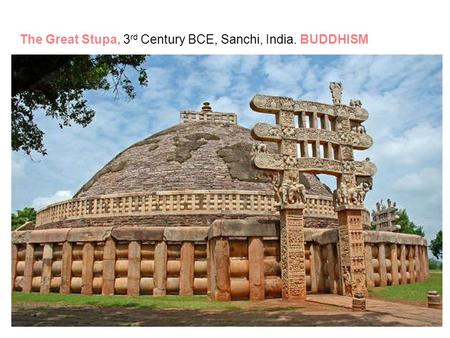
[351, 240]
[424, 261]
[256, 268]
[87, 273]
[304, 149]
[109, 267]
[187, 269]
[66, 268]
[382, 262]
[331, 262]
[403, 264]
[317, 149]
[313, 123]
[292, 243]
[222, 291]
[319, 268]
[394, 264]
[302, 120]
[160, 274]
[412, 275]
[330, 151]
[369, 266]
[327, 122]
[340, 282]
[208, 268]
[28, 270]
[312, 269]
[417, 269]
[13, 265]
[134, 268]
[47, 259]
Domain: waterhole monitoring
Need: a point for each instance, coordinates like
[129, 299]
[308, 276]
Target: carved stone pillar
[292, 244]
[351, 240]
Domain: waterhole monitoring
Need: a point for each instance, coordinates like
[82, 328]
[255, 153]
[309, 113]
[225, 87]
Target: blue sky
[403, 95]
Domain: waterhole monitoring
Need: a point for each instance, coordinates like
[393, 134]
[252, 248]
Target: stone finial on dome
[207, 115]
[206, 106]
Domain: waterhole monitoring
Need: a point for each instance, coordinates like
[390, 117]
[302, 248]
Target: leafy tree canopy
[56, 85]
[22, 216]
[407, 226]
[436, 245]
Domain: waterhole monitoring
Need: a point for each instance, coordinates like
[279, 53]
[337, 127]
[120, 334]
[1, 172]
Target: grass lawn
[166, 302]
[414, 293]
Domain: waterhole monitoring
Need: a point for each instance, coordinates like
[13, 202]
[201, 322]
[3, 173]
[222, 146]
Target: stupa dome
[184, 175]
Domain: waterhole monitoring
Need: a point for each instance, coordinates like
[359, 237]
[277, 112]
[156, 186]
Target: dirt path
[275, 314]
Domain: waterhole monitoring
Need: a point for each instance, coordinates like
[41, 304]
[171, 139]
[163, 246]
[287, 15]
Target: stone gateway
[202, 209]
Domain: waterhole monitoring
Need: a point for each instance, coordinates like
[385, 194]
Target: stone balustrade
[232, 259]
[189, 202]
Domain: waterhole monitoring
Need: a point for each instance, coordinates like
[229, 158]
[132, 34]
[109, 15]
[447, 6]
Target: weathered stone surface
[242, 228]
[46, 276]
[109, 260]
[88, 269]
[134, 268]
[170, 221]
[49, 236]
[26, 226]
[97, 234]
[256, 268]
[394, 264]
[160, 275]
[222, 286]
[321, 236]
[382, 260]
[390, 237]
[182, 160]
[28, 270]
[187, 269]
[180, 234]
[20, 237]
[238, 159]
[13, 265]
[128, 233]
[403, 264]
[66, 268]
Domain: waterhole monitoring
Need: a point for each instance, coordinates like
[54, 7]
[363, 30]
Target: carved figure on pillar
[336, 92]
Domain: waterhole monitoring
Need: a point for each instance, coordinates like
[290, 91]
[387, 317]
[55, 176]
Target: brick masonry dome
[189, 156]
[189, 174]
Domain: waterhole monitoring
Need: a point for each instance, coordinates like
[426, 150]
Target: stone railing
[188, 202]
[232, 259]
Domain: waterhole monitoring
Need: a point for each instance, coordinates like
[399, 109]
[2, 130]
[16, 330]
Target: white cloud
[42, 202]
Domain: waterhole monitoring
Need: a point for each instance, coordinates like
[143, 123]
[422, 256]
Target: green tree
[436, 245]
[56, 84]
[407, 226]
[22, 216]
